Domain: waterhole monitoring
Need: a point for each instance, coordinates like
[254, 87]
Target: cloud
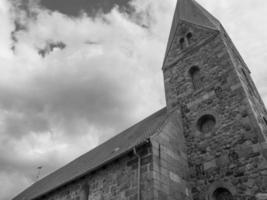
[95, 76]
[92, 7]
[59, 104]
[51, 46]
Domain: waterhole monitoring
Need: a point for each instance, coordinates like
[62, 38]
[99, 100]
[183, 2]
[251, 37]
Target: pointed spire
[190, 11]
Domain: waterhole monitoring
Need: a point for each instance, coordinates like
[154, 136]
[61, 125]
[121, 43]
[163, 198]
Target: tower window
[195, 77]
[182, 43]
[206, 123]
[189, 37]
[222, 194]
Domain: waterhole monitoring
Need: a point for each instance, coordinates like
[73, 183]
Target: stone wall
[170, 169]
[115, 181]
[253, 96]
[231, 154]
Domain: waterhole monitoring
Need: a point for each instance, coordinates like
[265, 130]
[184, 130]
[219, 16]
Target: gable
[191, 12]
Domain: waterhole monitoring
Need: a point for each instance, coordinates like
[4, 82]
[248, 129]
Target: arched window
[195, 77]
[222, 194]
[206, 123]
[182, 43]
[189, 37]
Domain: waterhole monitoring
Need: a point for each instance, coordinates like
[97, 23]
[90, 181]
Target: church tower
[224, 118]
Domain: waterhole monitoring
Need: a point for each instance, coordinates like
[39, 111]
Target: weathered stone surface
[261, 196]
[232, 150]
[170, 168]
[210, 165]
[116, 181]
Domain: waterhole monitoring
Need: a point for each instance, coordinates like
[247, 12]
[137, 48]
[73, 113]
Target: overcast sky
[76, 72]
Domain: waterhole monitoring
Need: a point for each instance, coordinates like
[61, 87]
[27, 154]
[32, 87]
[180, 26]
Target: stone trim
[195, 125]
[201, 99]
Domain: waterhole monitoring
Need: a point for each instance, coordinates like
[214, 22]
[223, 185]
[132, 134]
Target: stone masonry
[116, 181]
[230, 153]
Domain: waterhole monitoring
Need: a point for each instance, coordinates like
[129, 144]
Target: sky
[74, 73]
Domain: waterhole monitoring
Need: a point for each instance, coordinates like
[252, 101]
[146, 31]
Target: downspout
[138, 174]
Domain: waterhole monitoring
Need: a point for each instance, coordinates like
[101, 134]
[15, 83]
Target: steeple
[223, 117]
[190, 11]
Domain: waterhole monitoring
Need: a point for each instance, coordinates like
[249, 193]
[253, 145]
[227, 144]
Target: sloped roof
[97, 157]
[191, 11]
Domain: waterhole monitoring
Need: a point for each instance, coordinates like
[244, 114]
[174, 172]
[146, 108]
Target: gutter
[138, 174]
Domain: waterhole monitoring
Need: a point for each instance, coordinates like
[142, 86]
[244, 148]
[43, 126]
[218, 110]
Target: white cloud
[108, 76]
[56, 107]
[6, 22]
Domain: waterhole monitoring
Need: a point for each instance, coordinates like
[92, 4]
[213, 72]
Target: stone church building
[208, 143]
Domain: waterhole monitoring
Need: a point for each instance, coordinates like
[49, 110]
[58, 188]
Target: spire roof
[190, 11]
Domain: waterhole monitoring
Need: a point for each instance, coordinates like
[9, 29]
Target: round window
[206, 123]
[222, 194]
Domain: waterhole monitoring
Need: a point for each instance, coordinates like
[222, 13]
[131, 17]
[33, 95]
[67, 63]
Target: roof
[190, 11]
[106, 152]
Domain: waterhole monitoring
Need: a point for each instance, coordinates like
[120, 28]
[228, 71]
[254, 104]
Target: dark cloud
[24, 12]
[66, 98]
[95, 97]
[91, 7]
[19, 124]
[18, 27]
[50, 46]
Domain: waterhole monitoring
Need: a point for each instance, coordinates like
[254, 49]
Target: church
[208, 143]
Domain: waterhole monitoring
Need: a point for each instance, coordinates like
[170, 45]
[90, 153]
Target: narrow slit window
[195, 77]
[182, 43]
[189, 37]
